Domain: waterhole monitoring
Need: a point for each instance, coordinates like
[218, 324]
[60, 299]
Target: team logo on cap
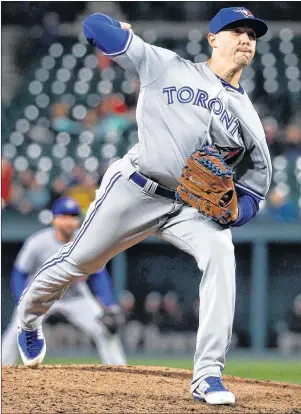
[243, 11]
[70, 204]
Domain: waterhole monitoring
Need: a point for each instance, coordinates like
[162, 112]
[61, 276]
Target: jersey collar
[218, 80]
[225, 84]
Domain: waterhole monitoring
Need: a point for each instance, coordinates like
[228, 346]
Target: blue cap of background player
[65, 206]
[239, 15]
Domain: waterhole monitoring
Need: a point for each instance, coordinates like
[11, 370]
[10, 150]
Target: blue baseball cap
[239, 15]
[65, 206]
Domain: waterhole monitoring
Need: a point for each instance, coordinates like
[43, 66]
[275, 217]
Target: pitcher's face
[235, 45]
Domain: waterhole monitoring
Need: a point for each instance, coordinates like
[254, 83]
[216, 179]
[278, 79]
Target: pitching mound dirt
[132, 389]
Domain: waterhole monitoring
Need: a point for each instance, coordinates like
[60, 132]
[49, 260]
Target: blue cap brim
[258, 25]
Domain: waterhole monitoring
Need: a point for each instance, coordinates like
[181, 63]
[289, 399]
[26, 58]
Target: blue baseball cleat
[32, 346]
[213, 391]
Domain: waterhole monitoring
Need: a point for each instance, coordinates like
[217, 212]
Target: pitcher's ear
[211, 37]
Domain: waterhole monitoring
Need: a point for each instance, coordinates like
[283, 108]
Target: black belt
[140, 180]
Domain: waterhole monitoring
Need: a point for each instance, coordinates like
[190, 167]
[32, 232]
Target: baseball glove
[207, 185]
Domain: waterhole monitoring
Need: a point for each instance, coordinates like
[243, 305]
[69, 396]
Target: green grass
[285, 371]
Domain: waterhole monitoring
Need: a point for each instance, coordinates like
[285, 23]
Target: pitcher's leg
[47, 287]
[214, 252]
[56, 274]
[216, 312]
[113, 223]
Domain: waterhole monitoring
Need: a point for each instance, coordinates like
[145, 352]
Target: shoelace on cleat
[31, 338]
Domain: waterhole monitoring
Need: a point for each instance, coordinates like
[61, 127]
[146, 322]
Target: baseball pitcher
[78, 306]
[201, 166]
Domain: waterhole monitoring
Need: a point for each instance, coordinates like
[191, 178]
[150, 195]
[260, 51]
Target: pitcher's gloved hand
[113, 318]
[207, 185]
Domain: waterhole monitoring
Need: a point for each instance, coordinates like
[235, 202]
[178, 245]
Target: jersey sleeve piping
[248, 190]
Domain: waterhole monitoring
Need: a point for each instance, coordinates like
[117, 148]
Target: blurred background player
[98, 317]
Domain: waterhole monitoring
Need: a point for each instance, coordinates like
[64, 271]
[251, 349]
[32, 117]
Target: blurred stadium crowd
[74, 112]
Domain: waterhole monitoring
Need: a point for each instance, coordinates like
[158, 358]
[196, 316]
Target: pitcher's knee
[69, 269]
[219, 250]
[221, 246]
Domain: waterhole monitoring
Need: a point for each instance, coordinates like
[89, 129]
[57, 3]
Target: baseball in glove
[207, 185]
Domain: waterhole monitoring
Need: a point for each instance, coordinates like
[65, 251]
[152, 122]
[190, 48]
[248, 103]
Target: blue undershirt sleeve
[248, 206]
[101, 284]
[105, 33]
[18, 283]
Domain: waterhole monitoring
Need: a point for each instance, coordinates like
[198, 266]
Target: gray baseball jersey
[183, 106]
